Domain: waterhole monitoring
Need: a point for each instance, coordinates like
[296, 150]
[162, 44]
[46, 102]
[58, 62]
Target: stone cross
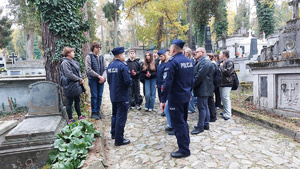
[13, 56]
[290, 94]
[295, 3]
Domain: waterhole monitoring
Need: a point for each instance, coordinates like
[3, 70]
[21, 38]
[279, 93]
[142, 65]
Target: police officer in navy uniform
[119, 80]
[179, 79]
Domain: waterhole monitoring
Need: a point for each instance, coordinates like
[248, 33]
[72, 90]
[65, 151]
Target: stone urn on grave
[276, 85]
[28, 144]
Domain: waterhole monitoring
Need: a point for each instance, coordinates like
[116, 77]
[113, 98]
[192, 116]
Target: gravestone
[44, 99]
[208, 45]
[295, 5]
[28, 144]
[276, 85]
[253, 48]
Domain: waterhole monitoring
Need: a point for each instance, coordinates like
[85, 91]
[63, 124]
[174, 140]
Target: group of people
[182, 78]
[95, 67]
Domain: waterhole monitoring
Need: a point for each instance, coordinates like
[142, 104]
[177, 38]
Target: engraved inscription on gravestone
[288, 92]
[44, 98]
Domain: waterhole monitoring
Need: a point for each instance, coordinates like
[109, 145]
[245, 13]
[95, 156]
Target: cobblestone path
[235, 143]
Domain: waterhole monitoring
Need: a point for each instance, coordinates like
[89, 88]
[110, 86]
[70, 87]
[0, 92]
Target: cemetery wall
[16, 87]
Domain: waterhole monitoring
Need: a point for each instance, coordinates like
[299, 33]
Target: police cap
[161, 52]
[180, 43]
[117, 50]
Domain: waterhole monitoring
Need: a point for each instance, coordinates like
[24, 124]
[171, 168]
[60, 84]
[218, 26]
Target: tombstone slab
[7, 125]
[28, 144]
[44, 99]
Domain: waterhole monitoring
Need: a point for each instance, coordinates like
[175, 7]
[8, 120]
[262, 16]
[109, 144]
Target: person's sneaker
[221, 114]
[206, 127]
[71, 121]
[226, 118]
[82, 117]
[138, 107]
[190, 112]
[171, 133]
[197, 130]
[132, 107]
[146, 109]
[168, 128]
[163, 114]
[217, 108]
[95, 116]
[99, 115]
[150, 110]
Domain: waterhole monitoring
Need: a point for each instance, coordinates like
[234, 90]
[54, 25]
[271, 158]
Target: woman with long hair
[227, 69]
[149, 74]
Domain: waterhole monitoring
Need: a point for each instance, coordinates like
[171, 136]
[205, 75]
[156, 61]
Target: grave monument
[276, 85]
[28, 144]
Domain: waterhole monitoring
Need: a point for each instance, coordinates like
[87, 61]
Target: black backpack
[217, 76]
[235, 84]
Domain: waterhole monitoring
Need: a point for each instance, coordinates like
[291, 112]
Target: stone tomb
[276, 82]
[28, 144]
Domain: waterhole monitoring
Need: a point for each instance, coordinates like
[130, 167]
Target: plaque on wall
[288, 92]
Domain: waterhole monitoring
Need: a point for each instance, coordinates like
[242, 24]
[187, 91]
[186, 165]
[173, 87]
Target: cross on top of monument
[13, 56]
[295, 5]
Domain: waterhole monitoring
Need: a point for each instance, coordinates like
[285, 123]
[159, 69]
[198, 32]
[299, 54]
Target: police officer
[118, 77]
[179, 79]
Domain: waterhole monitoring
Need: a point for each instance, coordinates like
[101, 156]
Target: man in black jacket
[203, 88]
[135, 69]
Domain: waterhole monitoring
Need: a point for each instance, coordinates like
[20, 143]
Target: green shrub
[71, 147]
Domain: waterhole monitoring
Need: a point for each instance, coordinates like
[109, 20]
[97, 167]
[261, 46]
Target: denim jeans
[96, 94]
[225, 97]
[167, 113]
[203, 111]
[192, 103]
[150, 93]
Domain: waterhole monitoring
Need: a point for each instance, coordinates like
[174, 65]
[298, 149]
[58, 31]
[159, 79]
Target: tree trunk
[189, 22]
[85, 47]
[30, 45]
[160, 33]
[116, 26]
[51, 67]
[109, 41]
[102, 33]
[134, 38]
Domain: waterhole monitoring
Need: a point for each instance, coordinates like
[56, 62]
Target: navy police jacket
[119, 80]
[160, 73]
[179, 79]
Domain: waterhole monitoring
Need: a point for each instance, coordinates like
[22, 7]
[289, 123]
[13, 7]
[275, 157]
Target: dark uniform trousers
[134, 92]
[179, 114]
[118, 120]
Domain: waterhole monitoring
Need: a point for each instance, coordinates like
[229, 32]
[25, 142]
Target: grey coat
[203, 72]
